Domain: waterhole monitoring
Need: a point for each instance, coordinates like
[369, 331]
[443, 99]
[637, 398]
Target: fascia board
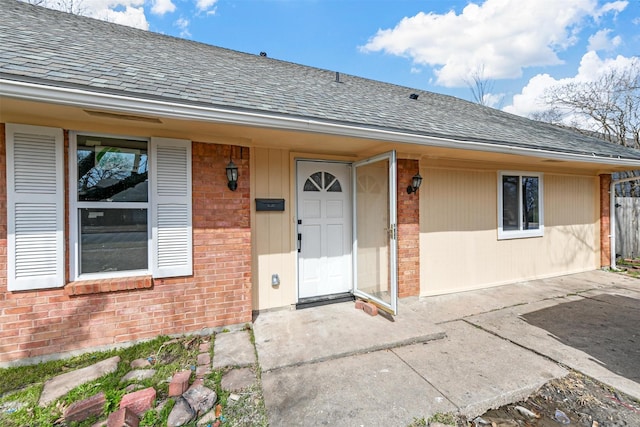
[131, 105]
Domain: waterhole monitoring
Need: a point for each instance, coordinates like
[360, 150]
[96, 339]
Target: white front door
[324, 228]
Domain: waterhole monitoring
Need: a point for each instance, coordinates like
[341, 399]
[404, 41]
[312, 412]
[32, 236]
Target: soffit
[78, 119]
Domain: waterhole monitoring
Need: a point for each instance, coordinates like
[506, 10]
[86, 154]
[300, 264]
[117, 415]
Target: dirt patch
[584, 401]
[630, 266]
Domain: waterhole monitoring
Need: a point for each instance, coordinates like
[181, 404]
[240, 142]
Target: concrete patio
[463, 353]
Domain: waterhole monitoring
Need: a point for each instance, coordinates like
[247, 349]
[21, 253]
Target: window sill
[87, 287]
[519, 234]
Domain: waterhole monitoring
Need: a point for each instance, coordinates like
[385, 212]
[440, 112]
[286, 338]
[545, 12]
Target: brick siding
[408, 231]
[104, 313]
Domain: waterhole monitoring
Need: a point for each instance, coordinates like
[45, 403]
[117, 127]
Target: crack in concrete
[458, 409]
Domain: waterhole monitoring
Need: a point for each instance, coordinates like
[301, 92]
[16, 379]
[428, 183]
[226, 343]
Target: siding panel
[458, 237]
[272, 248]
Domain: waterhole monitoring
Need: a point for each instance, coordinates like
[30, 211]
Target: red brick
[18, 310]
[80, 411]
[139, 401]
[202, 371]
[359, 304]
[605, 207]
[204, 359]
[33, 344]
[124, 417]
[179, 383]
[370, 309]
[408, 229]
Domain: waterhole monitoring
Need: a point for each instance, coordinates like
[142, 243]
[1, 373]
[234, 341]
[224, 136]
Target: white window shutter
[172, 242]
[35, 207]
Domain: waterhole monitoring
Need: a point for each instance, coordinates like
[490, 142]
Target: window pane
[310, 186]
[510, 203]
[328, 179]
[113, 240]
[335, 187]
[530, 210]
[112, 170]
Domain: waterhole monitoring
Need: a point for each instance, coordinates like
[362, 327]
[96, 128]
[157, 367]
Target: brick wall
[408, 231]
[605, 231]
[45, 322]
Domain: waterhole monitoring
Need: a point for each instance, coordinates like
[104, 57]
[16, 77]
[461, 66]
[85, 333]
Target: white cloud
[160, 7]
[206, 6]
[601, 41]
[614, 6]
[183, 25]
[493, 100]
[130, 16]
[530, 100]
[125, 12]
[500, 36]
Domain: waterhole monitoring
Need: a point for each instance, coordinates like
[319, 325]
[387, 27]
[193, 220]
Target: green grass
[443, 418]
[635, 261]
[631, 265]
[24, 384]
[249, 409]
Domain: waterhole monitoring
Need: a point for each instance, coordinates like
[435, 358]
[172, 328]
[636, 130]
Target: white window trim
[520, 234]
[74, 205]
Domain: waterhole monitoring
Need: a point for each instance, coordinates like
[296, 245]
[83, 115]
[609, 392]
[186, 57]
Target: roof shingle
[55, 48]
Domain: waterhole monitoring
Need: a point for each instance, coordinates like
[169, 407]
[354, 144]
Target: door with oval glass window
[323, 228]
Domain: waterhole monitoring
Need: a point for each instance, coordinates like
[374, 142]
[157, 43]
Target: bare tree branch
[607, 108]
[76, 7]
[611, 104]
[480, 86]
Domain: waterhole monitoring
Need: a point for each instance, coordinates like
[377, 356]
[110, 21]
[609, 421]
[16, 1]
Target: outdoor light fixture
[232, 175]
[416, 182]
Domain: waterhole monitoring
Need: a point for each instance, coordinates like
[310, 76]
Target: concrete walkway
[291, 338]
[463, 353]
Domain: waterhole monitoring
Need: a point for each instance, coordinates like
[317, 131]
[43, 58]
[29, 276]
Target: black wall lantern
[416, 182]
[232, 175]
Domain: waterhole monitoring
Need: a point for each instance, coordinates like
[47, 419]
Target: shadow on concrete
[603, 326]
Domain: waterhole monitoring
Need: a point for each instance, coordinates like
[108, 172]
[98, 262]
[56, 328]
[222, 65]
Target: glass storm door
[375, 231]
[323, 228]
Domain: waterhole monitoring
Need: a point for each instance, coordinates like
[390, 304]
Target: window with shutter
[35, 207]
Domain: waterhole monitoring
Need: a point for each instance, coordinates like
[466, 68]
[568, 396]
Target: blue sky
[521, 46]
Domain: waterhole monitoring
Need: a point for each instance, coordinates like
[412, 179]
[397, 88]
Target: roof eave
[74, 97]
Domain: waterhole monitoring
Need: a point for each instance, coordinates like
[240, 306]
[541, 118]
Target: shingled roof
[52, 48]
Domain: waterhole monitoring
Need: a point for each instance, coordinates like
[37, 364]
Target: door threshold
[324, 300]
